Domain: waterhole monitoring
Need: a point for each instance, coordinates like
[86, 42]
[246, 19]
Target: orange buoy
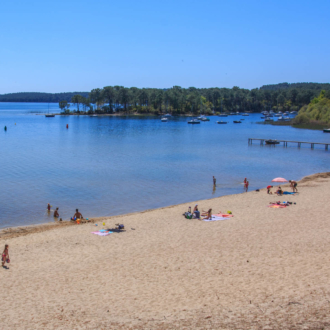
[67, 125]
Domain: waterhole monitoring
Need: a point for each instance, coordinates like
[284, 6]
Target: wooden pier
[285, 143]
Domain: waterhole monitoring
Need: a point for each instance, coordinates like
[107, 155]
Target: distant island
[180, 101]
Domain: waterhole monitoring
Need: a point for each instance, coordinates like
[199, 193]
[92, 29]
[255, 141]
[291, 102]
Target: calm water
[114, 165]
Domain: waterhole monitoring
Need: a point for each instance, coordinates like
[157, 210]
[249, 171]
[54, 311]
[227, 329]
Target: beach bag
[188, 215]
[121, 227]
[8, 261]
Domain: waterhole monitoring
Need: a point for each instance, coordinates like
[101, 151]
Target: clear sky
[71, 45]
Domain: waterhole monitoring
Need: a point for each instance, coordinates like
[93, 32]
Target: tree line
[178, 100]
[40, 97]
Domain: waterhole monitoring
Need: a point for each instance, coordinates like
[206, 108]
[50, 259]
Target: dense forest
[317, 111]
[39, 97]
[178, 100]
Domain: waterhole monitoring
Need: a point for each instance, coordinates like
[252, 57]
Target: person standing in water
[5, 256]
[56, 215]
[246, 185]
[214, 181]
[48, 207]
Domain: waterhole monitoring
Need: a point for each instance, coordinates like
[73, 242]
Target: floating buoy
[67, 125]
[5, 128]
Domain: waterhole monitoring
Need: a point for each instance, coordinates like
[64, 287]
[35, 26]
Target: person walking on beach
[56, 215]
[214, 181]
[5, 256]
[293, 185]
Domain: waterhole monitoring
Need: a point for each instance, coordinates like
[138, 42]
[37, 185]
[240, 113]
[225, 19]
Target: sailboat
[222, 114]
[49, 114]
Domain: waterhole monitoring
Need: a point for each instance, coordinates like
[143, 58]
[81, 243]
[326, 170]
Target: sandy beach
[264, 268]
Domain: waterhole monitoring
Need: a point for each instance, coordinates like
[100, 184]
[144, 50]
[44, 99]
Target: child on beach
[5, 256]
[268, 189]
[246, 186]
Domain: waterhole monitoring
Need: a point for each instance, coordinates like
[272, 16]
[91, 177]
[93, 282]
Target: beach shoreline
[264, 268]
[16, 231]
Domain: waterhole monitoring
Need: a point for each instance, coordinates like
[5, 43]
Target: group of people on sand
[77, 215]
[196, 214]
[279, 191]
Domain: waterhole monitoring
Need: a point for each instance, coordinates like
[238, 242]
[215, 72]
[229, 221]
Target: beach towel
[275, 206]
[288, 193]
[223, 215]
[215, 218]
[105, 233]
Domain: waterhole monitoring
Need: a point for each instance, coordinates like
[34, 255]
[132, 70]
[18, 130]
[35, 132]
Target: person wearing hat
[196, 212]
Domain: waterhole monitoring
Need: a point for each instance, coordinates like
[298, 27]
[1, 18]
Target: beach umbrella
[279, 180]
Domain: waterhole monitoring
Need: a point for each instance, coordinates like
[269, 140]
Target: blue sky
[62, 46]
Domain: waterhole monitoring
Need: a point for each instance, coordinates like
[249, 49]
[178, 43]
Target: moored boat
[194, 121]
[49, 116]
[237, 122]
[326, 130]
[164, 119]
[271, 141]
[221, 122]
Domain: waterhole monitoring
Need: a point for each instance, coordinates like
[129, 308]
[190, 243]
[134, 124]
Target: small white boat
[245, 114]
[221, 122]
[164, 119]
[168, 115]
[194, 121]
[269, 119]
[326, 130]
[280, 119]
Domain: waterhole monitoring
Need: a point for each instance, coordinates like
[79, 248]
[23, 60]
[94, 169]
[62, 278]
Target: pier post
[312, 145]
[326, 147]
[299, 144]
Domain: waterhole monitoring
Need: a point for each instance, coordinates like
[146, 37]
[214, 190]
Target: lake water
[114, 165]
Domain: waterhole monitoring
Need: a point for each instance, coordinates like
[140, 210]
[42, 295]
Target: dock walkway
[285, 143]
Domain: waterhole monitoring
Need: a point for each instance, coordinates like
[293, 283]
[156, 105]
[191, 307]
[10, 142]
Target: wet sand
[262, 269]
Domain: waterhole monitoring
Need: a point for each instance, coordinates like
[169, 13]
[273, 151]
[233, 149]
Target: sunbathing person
[208, 214]
[279, 191]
